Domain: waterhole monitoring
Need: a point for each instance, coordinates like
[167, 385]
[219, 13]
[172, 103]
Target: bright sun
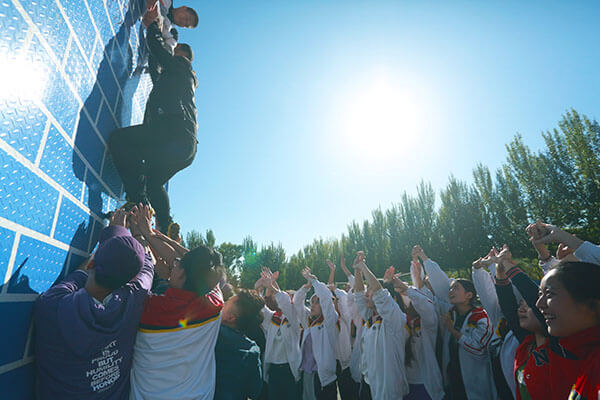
[381, 119]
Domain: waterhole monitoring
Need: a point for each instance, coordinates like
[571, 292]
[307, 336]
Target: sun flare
[381, 120]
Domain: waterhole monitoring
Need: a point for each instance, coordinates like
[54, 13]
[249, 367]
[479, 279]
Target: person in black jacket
[148, 155]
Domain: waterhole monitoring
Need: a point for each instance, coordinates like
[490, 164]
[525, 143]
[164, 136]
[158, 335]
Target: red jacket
[587, 385]
[551, 370]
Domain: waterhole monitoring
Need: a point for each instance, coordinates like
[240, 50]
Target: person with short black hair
[184, 17]
[239, 373]
[86, 324]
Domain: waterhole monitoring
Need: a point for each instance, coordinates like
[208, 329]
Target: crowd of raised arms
[146, 318]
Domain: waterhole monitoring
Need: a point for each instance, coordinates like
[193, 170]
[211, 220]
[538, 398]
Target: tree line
[559, 184]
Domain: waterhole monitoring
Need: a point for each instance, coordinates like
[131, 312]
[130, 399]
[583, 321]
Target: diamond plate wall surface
[71, 71]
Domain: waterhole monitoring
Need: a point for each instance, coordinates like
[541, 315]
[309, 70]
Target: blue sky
[313, 113]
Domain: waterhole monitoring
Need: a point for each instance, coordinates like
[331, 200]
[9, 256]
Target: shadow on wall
[100, 115]
[19, 282]
[105, 108]
[105, 105]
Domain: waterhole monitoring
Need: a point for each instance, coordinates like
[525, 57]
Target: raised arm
[372, 281]
[588, 252]
[302, 312]
[390, 311]
[425, 307]
[157, 45]
[179, 249]
[528, 289]
[509, 307]
[344, 304]
[437, 278]
[142, 220]
[331, 280]
[416, 273]
[487, 292]
[360, 302]
[325, 298]
[385, 304]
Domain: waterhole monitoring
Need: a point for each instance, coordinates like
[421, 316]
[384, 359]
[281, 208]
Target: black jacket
[173, 88]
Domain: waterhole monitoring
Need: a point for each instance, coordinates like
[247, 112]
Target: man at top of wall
[148, 155]
[184, 17]
[86, 324]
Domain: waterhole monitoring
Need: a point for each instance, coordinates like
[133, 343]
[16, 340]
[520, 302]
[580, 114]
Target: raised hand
[546, 233]
[151, 15]
[399, 285]
[119, 218]
[490, 258]
[306, 273]
[359, 261]
[388, 275]
[478, 264]
[417, 251]
[330, 264]
[142, 219]
[563, 251]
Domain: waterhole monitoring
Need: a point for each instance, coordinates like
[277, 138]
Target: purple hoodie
[84, 349]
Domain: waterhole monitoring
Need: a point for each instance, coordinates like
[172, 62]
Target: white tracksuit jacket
[289, 331]
[588, 252]
[484, 284]
[423, 344]
[383, 346]
[356, 346]
[343, 348]
[324, 335]
[476, 332]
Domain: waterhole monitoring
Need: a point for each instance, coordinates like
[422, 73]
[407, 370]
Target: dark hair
[469, 287]
[197, 264]
[194, 14]
[249, 305]
[580, 279]
[408, 353]
[187, 49]
[108, 281]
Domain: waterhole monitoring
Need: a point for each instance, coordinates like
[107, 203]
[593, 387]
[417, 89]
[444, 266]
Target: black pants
[347, 387]
[148, 155]
[282, 384]
[328, 392]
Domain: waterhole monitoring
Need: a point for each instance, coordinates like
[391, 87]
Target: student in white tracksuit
[282, 335]
[466, 363]
[359, 323]
[422, 368]
[504, 344]
[348, 389]
[318, 340]
[383, 338]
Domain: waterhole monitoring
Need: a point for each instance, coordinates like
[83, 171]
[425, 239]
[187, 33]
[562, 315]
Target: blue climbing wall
[71, 71]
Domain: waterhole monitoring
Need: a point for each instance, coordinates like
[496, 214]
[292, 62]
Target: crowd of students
[146, 318]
